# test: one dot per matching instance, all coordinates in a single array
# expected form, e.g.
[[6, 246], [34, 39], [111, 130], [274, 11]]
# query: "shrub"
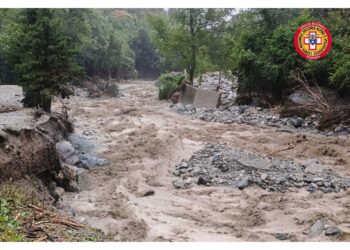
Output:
[[168, 83]]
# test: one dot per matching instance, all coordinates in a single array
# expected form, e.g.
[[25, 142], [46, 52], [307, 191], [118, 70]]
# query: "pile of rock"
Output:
[[220, 165], [226, 84], [256, 116], [77, 156], [229, 112]]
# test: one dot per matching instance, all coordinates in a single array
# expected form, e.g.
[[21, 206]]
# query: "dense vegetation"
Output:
[[256, 45], [46, 50]]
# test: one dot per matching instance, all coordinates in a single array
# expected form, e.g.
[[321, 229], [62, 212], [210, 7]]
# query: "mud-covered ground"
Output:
[[134, 199]]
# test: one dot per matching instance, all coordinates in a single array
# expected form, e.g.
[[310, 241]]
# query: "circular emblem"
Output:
[[312, 40]]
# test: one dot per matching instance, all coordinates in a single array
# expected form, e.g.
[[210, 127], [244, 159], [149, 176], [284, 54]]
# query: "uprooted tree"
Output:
[[319, 102]]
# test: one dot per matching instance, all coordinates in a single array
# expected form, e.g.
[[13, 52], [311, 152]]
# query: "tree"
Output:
[[107, 53], [42, 56], [181, 37], [146, 57]]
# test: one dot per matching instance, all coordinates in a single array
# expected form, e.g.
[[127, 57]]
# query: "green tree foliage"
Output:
[[183, 36], [43, 56], [264, 45], [107, 53], [167, 83], [146, 57]]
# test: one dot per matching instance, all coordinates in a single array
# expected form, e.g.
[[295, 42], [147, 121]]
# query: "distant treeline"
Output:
[[45, 49], [109, 43], [254, 44]]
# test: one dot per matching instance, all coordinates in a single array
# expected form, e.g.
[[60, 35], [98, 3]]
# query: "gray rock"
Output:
[[220, 165], [297, 122], [65, 150], [317, 228], [59, 191], [73, 160], [84, 144], [176, 173], [70, 172], [282, 236], [203, 180], [148, 193], [89, 161], [182, 165], [72, 186], [189, 106], [178, 184], [333, 231], [242, 184], [179, 107], [339, 129]]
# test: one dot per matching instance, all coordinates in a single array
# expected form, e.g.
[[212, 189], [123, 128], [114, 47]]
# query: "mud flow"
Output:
[[217, 194]]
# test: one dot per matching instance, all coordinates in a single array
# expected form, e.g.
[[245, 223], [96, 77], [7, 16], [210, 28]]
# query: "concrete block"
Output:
[[206, 99]]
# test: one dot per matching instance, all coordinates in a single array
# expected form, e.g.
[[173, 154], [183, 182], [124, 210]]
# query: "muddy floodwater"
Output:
[[134, 199]]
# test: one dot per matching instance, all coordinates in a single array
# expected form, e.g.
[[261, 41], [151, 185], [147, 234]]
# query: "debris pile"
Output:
[[220, 165], [226, 84], [258, 116]]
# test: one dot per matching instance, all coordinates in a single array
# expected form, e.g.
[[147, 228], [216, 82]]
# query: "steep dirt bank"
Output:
[[27, 137], [29, 170], [134, 199], [27, 145]]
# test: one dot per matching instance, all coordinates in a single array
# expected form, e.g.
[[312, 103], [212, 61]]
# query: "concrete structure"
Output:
[[187, 96], [200, 98], [206, 99]]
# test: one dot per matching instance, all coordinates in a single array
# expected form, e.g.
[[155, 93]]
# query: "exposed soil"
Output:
[[29, 164], [133, 199]]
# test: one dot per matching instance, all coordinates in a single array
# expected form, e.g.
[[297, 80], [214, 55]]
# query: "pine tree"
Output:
[[43, 56]]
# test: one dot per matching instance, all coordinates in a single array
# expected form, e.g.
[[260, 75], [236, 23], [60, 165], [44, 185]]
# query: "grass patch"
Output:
[[12, 213], [22, 219]]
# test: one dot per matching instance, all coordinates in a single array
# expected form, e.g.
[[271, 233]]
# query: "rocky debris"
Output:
[[149, 192], [11, 95], [282, 236], [79, 152], [65, 150], [89, 161], [220, 165], [59, 191], [178, 184], [317, 228], [257, 116], [333, 231], [72, 186], [84, 143], [243, 183], [229, 112], [320, 226], [227, 87]]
